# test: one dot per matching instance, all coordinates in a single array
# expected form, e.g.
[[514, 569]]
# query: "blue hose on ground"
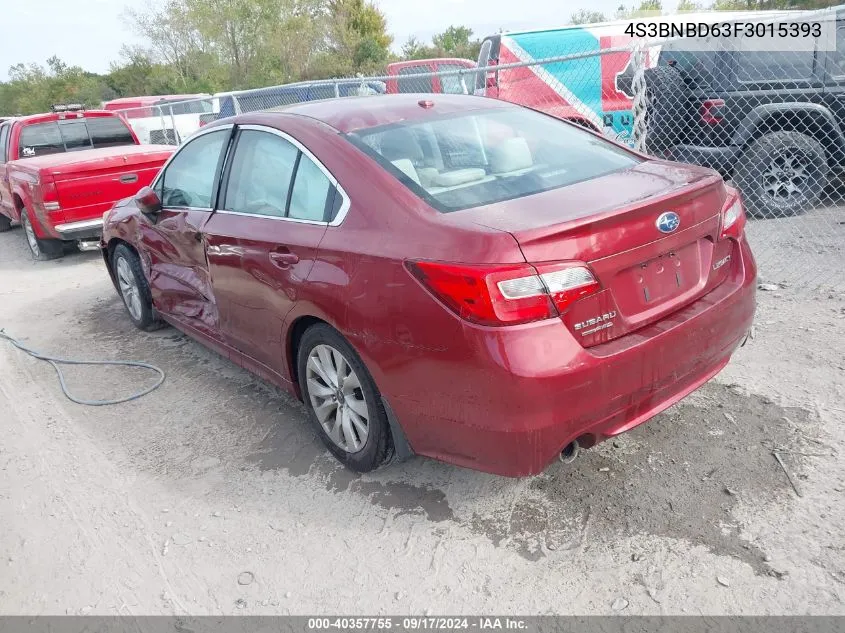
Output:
[[55, 362]]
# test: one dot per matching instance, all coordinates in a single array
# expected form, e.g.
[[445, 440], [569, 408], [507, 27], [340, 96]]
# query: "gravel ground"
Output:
[[214, 496]]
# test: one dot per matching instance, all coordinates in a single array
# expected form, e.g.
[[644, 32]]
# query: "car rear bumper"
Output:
[[721, 159], [533, 389], [83, 230]]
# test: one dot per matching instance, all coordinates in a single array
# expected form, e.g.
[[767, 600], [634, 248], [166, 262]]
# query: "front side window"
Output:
[[261, 173], [486, 156], [188, 180]]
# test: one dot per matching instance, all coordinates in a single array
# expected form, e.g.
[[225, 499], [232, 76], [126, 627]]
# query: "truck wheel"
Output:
[[5, 223], [782, 174], [134, 289], [42, 250]]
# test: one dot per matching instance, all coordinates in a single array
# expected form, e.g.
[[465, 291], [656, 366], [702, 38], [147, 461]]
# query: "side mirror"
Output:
[[148, 202]]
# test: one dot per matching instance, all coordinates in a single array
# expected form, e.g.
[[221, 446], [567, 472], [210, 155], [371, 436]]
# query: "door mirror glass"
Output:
[[148, 202]]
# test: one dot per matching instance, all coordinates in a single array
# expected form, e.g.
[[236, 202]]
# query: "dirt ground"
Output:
[[214, 496]]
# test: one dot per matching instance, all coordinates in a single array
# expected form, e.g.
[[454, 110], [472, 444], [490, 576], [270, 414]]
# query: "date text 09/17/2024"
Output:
[[422, 623]]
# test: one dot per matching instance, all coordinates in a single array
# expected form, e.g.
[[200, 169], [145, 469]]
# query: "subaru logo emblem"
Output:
[[668, 222]]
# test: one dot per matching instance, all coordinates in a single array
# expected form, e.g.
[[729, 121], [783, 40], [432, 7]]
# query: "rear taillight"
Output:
[[712, 111], [508, 294], [733, 216], [50, 195]]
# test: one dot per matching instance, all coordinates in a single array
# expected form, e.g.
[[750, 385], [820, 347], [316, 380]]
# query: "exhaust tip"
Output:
[[570, 452]]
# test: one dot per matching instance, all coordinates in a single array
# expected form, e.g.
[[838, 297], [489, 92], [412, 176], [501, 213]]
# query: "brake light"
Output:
[[733, 216], [49, 195], [508, 294], [711, 111]]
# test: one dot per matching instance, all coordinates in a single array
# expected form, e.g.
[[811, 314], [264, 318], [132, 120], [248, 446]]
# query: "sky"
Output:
[[90, 33]]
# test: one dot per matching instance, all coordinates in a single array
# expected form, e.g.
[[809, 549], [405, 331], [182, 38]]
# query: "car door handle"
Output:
[[283, 260]]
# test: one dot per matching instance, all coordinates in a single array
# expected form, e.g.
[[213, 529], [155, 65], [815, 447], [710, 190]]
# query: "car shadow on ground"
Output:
[[684, 475]]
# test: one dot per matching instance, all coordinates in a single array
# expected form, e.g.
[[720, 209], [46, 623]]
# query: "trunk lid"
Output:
[[611, 224]]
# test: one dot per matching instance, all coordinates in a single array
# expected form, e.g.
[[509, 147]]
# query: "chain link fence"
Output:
[[772, 121]]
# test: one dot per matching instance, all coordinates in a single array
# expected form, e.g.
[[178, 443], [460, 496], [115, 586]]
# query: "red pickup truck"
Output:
[[60, 171]]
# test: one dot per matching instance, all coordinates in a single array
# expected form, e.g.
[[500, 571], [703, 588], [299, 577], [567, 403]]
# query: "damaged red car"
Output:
[[448, 276]]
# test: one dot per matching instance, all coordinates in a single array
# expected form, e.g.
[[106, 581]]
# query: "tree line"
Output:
[[208, 46]]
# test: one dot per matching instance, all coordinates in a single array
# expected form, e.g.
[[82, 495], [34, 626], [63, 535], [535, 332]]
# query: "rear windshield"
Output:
[[56, 137], [487, 156]]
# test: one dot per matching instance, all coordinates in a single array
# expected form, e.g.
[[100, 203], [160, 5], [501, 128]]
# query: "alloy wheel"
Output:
[[129, 288], [31, 239], [337, 398], [786, 177]]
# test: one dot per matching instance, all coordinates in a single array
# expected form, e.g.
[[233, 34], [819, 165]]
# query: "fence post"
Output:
[[639, 59], [463, 79], [173, 123]]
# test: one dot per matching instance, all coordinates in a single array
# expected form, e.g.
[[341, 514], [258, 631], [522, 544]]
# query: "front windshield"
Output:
[[485, 156]]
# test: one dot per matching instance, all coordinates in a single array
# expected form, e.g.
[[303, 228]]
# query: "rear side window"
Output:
[[270, 176], [770, 67], [488, 156], [409, 84], [109, 132], [39, 139], [310, 192]]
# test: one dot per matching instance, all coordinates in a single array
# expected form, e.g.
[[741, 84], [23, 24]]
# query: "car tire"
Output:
[[5, 224], [356, 399], [40, 249], [782, 174], [133, 288]]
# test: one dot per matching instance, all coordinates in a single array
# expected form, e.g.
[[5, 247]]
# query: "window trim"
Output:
[[218, 170], [344, 207]]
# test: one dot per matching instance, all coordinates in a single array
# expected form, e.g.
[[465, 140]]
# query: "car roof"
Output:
[[153, 99], [350, 114]]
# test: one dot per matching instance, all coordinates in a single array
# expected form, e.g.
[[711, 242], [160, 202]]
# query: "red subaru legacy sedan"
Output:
[[450, 276]]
